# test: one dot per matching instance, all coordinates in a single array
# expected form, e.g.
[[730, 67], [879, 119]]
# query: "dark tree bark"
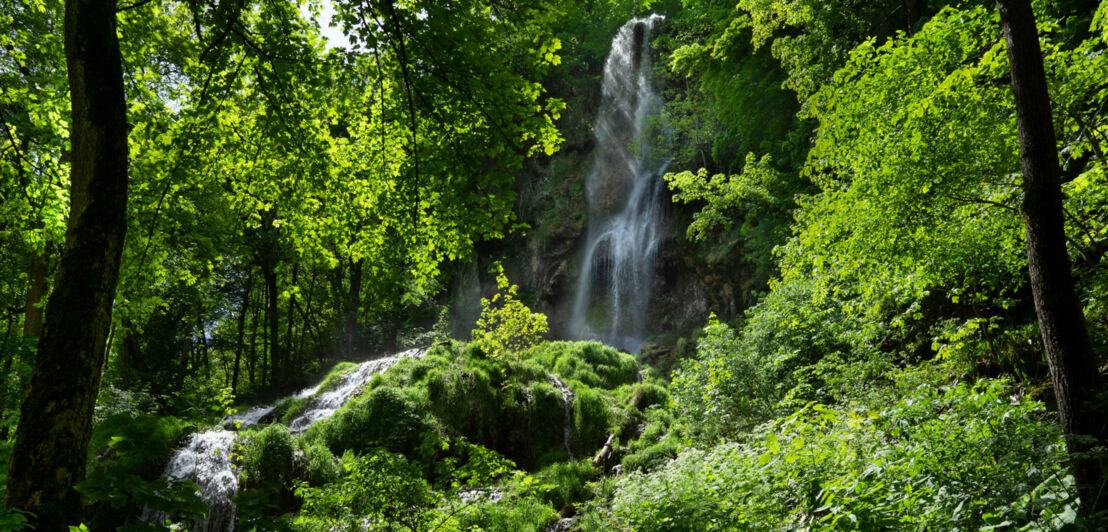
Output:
[[203, 359], [353, 301], [911, 14], [289, 322], [1073, 367], [253, 360], [36, 288], [132, 351], [56, 417], [269, 275], [241, 345]]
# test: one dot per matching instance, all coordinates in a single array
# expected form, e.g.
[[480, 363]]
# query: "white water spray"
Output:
[[625, 196], [206, 457], [567, 422], [323, 405]]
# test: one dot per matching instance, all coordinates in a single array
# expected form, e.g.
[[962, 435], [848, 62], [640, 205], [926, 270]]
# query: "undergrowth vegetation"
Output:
[[922, 455]]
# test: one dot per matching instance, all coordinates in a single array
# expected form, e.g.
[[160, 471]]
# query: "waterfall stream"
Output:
[[567, 422], [322, 405], [625, 196], [206, 456]]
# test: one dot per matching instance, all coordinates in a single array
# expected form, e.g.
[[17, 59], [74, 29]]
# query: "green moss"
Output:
[[592, 418], [510, 514], [652, 456], [318, 465], [288, 409], [267, 464], [565, 482], [547, 422], [591, 363], [384, 417], [653, 395], [336, 373], [571, 368], [613, 367], [466, 402]]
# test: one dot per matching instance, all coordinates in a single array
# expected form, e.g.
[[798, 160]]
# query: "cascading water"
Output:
[[206, 457], [625, 196], [567, 421], [206, 460], [322, 405]]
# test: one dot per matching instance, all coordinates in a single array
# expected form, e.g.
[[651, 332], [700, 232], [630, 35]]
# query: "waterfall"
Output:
[[567, 421], [625, 196], [206, 456], [322, 405], [206, 460]]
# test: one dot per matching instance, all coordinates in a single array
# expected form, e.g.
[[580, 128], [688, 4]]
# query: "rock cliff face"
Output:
[[689, 281]]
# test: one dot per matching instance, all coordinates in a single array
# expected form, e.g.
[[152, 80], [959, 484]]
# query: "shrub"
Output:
[[385, 417], [318, 466], [652, 456], [508, 514], [564, 482], [724, 388], [924, 457], [506, 326], [126, 456], [591, 420], [380, 488], [267, 464]]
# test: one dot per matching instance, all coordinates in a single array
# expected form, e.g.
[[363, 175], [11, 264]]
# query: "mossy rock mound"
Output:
[[510, 406]]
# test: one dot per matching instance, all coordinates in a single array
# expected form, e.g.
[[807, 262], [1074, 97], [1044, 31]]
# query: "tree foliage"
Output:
[[506, 326]]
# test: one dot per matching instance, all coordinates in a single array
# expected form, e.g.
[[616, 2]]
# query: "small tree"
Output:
[[507, 326]]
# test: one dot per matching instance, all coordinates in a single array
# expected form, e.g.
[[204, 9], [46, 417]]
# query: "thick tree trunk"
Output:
[[56, 418], [1073, 367], [36, 288]]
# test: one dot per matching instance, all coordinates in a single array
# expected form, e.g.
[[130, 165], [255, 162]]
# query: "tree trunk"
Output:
[[253, 360], [911, 14], [289, 324], [51, 442], [5, 373], [1073, 367], [36, 288], [353, 301], [269, 274], [241, 345], [204, 359], [132, 351]]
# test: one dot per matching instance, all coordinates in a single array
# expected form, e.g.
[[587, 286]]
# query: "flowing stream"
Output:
[[625, 195], [206, 456], [567, 422]]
